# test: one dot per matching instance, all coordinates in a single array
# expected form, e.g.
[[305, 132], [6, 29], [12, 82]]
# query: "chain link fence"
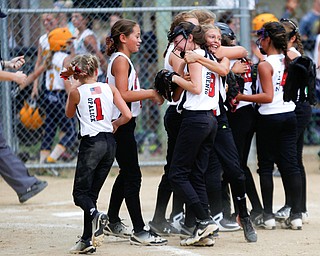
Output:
[[27, 21]]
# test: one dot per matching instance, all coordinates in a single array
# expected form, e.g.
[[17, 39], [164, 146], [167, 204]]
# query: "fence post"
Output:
[[6, 87], [245, 27]]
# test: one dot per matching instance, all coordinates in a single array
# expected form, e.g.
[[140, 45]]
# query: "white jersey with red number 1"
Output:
[[94, 110]]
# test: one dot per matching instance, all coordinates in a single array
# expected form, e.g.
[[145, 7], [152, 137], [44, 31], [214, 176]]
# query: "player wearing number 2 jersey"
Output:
[[93, 103], [55, 98]]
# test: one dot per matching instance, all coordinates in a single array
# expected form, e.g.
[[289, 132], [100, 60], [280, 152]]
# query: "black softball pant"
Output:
[[243, 126], [191, 155], [276, 143], [303, 113], [128, 182], [95, 159], [225, 155], [172, 123]]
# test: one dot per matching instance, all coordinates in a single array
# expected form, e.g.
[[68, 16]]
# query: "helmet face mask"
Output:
[[180, 30]]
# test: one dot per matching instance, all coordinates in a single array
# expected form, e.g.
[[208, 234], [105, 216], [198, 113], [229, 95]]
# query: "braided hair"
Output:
[[293, 30], [277, 33], [81, 67]]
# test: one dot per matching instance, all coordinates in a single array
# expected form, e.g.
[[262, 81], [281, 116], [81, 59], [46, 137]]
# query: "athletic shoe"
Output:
[[283, 213], [164, 228], [176, 220], [207, 241], [293, 222], [250, 233], [83, 247], [266, 221], [147, 237], [305, 217], [98, 224], [32, 191], [186, 231], [203, 229], [118, 229], [254, 216], [224, 224]]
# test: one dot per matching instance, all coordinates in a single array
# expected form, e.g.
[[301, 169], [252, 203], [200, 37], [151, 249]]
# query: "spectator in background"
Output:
[[64, 18], [49, 21], [290, 9], [87, 42], [308, 28], [102, 29]]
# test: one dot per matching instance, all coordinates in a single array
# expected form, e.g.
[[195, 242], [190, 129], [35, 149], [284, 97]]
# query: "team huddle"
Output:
[[217, 99]]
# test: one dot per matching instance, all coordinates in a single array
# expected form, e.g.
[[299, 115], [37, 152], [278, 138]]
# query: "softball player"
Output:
[[50, 22], [55, 97], [93, 103], [172, 121], [86, 41], [125, 40], [242, 123], [303, 113], [278, 146], [224, 150], [197, 131]]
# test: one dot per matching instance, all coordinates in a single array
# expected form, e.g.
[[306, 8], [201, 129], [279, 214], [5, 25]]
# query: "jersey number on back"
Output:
[[99, 115]]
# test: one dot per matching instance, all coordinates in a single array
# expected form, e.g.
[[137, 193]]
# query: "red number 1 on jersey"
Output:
[[99, 116]]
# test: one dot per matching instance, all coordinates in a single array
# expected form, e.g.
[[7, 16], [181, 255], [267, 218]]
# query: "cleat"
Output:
[[163, 228], [266, 221], [176, 220], [305, 217], [283, 213], [83, 247], [98, 224], [293, 222], [147, 237], [186, 231], [118, 229], [250, 233], [224, 224], [207, 241], [203, 229]]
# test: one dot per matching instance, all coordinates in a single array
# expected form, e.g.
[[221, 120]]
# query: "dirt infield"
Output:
[[49, 223]]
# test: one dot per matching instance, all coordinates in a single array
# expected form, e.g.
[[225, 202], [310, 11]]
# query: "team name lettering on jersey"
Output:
[[210, 80], [278, 82], [91, 110]]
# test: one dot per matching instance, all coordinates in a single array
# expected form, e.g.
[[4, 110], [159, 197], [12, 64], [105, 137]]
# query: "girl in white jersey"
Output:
[[224, 151], [124, 41], [172, 121], [93, 103], [197, 131], [86, 41], [54, 99], [303, 112], [276, 127], [50, 21]]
